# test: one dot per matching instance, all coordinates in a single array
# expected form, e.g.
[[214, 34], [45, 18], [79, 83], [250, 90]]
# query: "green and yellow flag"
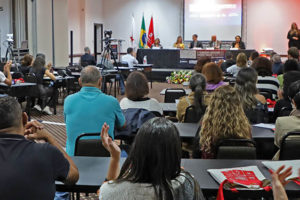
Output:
[[143, 35]]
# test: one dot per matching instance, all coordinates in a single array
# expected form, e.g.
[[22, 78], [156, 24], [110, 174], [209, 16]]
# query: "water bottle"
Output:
[[145, 60]]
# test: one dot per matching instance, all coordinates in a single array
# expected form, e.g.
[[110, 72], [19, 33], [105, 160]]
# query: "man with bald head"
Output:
[[87, 110]]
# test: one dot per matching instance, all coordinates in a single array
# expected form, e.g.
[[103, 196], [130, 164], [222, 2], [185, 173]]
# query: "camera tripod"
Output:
[[9, 55], [108, 51]]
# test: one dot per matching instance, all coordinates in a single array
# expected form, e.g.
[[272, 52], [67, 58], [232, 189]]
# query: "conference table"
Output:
[[183, 58], [93, 171]]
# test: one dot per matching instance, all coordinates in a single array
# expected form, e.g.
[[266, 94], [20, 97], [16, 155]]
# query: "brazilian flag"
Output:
[[143, 35]]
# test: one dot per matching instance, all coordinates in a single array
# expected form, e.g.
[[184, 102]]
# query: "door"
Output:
[[98, 44]]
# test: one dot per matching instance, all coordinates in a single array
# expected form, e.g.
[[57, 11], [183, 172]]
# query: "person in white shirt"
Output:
[[130, 58], [6, 69], [137, 90]]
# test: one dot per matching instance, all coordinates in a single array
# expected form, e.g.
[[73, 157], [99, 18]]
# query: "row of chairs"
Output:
[[226, 149]]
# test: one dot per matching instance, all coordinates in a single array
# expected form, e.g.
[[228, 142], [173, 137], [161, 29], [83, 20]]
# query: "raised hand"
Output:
[[107, 142]]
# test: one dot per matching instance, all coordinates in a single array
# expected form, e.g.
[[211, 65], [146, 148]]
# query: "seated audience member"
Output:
[[214, 43], [106, 63], [266, 82], [239, 44], [241, 62], [32, 160], [156, 44], [252, 57], [26, 63], [195, 98], [152, 169], [39, 70], [254, 104], [179, 43], [195, 43], [213, 75], [277, 67], [87, 58], [6, 71], [89, 107], [130, 58], [137, 90], [293, 54], [200, 63], [289, 65], [228, 62], [290, 123], [283, 106], [231, 123]]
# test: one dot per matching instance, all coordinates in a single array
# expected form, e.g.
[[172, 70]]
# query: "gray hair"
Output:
[[276, 58], [87, 50], [10, 112], [90, 75]]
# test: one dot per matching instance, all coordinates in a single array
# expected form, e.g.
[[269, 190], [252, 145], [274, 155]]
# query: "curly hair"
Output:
[[224, 119]]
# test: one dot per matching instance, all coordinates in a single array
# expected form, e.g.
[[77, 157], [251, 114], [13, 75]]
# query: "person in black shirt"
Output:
[[26, 63], [228, 62], [30, 158], [87, 58], [293, 36], [238, 43], [195, 43]]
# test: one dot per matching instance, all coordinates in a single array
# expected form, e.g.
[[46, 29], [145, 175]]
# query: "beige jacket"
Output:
[[285, 125]]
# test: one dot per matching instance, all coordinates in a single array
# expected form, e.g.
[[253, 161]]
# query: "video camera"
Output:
[[107, 36]]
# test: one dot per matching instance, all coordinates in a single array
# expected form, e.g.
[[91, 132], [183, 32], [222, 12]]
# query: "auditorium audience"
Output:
[[195, 98], [5, 76], [241, 62], [228, 62], [156, 44], [277, 67], [152, 169], [32, 160], [195, 43], [253, 55], [254, 104], [290, 123], [26, 63], [214, 43], [87, 58], [39, 70], [130, 58], [200, 63], [283, 106], [223, 119], [238, 43], [137, 91], [293, 36], [88, 108], [266, 82], [214, 76], [179, 43]]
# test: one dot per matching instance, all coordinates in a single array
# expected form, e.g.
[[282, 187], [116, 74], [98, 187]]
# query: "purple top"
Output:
[[211, 87]]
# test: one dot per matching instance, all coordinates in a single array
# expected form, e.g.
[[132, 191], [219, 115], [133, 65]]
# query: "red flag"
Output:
[[150, 40]]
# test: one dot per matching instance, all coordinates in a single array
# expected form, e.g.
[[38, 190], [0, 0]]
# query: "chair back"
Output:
[[31, 78], [191, 116], [266, 94], [289, 148], [17, 75], [236, 149], [90, 147], [172, 94]]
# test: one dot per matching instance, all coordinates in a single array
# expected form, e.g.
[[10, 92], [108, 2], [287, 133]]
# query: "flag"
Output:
[[150, 39], [132, 31], [143, 35]]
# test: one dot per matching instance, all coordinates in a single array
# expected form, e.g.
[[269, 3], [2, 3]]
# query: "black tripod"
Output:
[[9, 55]]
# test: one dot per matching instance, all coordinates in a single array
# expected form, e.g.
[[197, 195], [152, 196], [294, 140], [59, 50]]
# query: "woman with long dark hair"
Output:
[[293, 36], [153, 167], [195, 98], [38, 69]]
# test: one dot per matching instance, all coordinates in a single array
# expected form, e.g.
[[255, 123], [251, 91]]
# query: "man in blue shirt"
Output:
[[87, 110]]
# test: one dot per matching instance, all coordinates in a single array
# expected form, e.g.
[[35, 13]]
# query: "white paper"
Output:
[[268, 126], [274, 165]]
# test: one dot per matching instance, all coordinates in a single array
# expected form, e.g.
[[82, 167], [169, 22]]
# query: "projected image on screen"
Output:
[[212, 17]]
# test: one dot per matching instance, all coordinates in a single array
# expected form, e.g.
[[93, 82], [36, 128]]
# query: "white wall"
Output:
[[268, 21], [5, 23], [167, 18]]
